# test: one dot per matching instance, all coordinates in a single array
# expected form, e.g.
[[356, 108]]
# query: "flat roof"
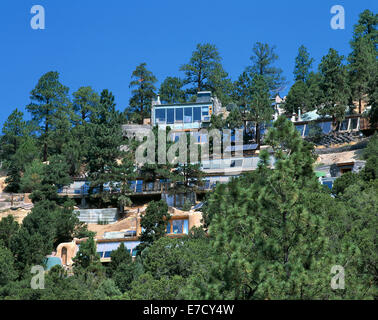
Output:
[[182, 104]]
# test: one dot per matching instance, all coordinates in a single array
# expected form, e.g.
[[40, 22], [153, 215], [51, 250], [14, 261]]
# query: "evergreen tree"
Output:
[[143, 84], [49, 100], [362, 69], [13, 179], [87, 261], [104, 149], [334, 86], [85, 103], [171, 90], [7, 271], [303, 64], [154, 222], [205, 72], [299, 96], [260, 108], [14, 130], [263, 59], [234, 119], [8, 228], [268, 245]]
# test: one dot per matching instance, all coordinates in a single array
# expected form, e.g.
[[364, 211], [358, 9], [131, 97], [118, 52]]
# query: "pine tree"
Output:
[[104, 149], [154, 222], [299, 96], [263, 59], [259, 108], [334, 87], [303, 64], [49, 102], [205, 72], [14, 131], [143, 93], [85, 103], [268, 244], [171, 90]]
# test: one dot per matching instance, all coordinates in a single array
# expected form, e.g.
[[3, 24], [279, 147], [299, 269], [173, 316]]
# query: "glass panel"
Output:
[[186, 226], [326, 127], [354, 124], [160, 115], [300, 128], [307, 129], [169, 227], [344, 125], [178, 226], [188, 115], [170, 115], [329, 184], [179, 115], [197, 114]]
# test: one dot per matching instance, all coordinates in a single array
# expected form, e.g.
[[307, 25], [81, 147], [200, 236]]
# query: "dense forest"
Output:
[[269, 234]]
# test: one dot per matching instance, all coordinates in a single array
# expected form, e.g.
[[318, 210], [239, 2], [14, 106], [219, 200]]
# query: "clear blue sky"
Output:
[[99, 43]]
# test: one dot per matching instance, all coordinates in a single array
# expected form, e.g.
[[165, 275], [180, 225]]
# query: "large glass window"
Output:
[[344, 125], [160, 115], [300, 128], [170, 115], [188, 115], [205, 111], [169, 227], [354, 123], [197, 113], [179, 114], [178, 226], [326, 127]]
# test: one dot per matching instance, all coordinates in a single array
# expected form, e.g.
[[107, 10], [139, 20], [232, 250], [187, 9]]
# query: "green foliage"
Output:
[[303, 64], [297, 98], [182, 257], [334, 86], [7, 271], [263, 59], [85, 103], [234, 119], [48, 107], [32, 177], [87, 261], [314, 132], [263, 229], [8, 228], [104, 149], [143, 84], [343, 182], [118, 257], [148, 288], [205, 72], [171, 90], [187, 205], [370, 154], [14, 131], [154, 222]]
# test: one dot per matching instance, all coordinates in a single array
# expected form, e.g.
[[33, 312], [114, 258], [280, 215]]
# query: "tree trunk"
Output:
[[258, 135], [359, 105]]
